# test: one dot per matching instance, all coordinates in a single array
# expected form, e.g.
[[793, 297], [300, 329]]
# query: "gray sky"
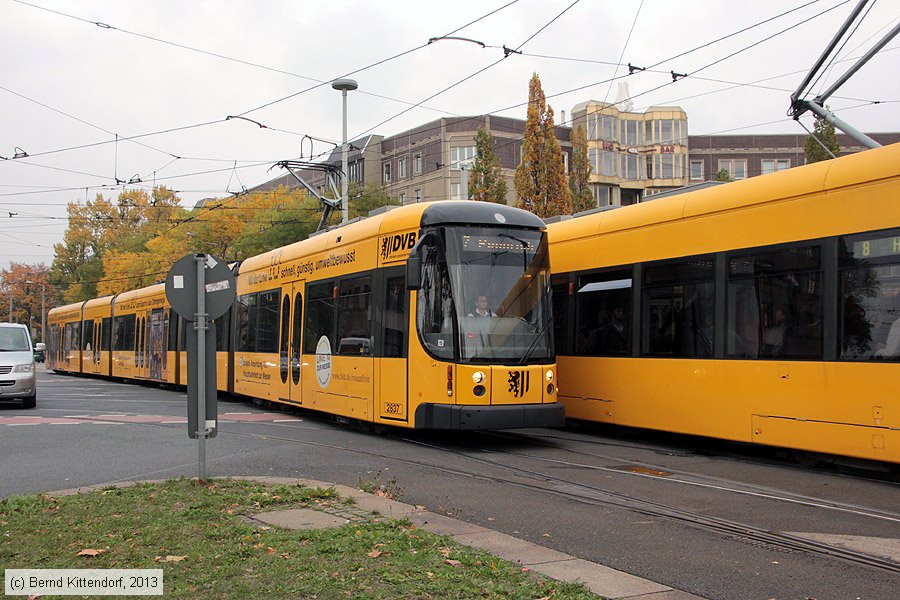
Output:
[[68, 86]]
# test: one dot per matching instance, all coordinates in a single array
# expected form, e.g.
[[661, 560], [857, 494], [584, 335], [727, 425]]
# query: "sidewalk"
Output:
[[601, 580]]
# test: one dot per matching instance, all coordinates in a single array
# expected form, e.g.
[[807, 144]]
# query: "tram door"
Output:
[[393, 400], [289, 342]]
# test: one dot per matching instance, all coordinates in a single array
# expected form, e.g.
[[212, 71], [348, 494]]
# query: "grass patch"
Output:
[[196, 534]]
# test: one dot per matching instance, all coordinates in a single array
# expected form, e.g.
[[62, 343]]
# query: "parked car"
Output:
[[40, 352], [17, 379]]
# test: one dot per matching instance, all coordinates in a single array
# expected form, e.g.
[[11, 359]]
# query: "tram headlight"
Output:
[[549, 375], [478, 377]]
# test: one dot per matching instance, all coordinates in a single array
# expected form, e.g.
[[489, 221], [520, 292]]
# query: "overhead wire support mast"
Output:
[[328, 204], [817, 104]]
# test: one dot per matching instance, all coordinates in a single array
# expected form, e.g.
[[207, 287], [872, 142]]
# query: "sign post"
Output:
[[201, 288]]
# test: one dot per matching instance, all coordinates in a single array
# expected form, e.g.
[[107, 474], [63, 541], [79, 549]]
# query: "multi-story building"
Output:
[[745, 156], [427, 162], [633, 155]]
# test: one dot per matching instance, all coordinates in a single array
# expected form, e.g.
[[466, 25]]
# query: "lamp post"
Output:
[[344, 85], [43, 308]]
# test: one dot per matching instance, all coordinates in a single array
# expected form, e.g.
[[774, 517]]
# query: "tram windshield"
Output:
[[485, 298]]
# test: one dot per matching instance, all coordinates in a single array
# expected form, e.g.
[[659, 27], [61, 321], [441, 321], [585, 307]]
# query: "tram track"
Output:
[[593, 495]]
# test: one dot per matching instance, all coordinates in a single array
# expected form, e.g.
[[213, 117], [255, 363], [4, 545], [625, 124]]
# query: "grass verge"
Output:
[[198, 535]]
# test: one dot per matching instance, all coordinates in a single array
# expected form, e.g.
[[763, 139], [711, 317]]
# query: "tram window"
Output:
[[434, 316], [87, 337], [319, 316], [173, 330], [774, 304], [678, 309], [295, 339], [354, 318], [71, 337], [267, 321], [106, 338], [123, 337], [247, 323], [603, 314], [222, 326], [870, 296], [560, 320], [285, 329], [395, 317]]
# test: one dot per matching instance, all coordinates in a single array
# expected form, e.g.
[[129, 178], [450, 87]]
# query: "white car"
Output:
[[17, 378]]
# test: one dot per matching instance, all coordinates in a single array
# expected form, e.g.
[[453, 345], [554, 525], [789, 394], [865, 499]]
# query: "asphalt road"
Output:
[[707, 519]]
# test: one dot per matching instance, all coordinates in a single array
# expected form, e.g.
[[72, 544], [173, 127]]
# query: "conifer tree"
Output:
[[540, 179], [579, 179], [486, 180], [824, 131]]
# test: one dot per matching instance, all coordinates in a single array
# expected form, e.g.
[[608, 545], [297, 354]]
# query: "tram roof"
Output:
[[401, 218], [150, 290], [862, 167], [58, 310]]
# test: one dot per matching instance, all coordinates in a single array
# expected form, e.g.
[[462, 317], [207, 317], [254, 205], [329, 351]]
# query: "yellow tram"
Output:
[[764, 311], [64, 351], [434, 315]]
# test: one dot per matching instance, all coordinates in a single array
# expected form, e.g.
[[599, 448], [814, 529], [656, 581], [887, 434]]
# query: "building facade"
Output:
[[633, 154], [428, 162], [744, 156]]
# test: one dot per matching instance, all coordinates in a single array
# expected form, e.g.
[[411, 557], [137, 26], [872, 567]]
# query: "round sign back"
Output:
[[181, 286]]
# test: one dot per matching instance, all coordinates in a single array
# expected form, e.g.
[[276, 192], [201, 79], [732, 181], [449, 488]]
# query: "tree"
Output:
[[723, 175], [579, 179], [540, 179], [486, 180], [824, 131], [24, 285]]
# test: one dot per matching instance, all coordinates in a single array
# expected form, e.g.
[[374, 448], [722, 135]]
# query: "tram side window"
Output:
[[774, 304], [247, 322], [434, 314], [560, 295], [267, 321], [354, 317], [870, 296], [678, 309], [123, 337], [174, 319], [106, 336], [319, 316], [87, 338], [395, 317], [603, 314], [71, 337], [222, 325]]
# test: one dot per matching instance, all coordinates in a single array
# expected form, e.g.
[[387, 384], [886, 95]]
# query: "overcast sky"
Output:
[[68, 86]]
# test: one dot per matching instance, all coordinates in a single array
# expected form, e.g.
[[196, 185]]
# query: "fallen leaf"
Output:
[[374, 554], [445, 552], [270, 550], [90, 552], [525, 569], [170, 558], [452, 563]]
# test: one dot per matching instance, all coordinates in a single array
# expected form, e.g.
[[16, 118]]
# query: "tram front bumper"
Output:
[[504, 416]]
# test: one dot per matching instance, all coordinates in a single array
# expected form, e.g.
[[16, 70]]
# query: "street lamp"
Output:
[[344, 85], [43, 308]]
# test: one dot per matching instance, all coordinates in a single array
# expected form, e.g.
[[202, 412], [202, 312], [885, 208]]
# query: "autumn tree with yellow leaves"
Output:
[[540, 179]]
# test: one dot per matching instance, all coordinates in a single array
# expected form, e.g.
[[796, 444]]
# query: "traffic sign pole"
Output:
[[201, 327]]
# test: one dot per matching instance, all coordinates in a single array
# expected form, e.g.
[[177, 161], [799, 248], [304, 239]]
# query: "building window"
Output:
[[607, 164], [696, 170], [608, 126], [631, 132], [418, 195], [736, 167], [648, 132], [417, 164], [387, 172], [592, 126], [356, 171], [455, 192], [592, 160], [402, 199], [774, 165], [630, 166], [461, 155], [401, 168], [565, 162], [601, 195], [664, 167]]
